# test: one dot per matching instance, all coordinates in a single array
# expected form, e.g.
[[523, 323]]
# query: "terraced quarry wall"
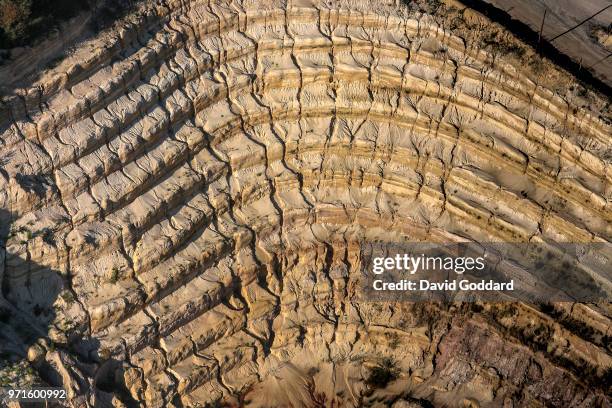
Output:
[[184, 201]]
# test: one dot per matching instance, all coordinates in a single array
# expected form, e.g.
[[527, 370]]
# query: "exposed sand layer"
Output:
[[186, 208]]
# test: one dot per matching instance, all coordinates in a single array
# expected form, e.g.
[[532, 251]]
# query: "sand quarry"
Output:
[[183, 199]]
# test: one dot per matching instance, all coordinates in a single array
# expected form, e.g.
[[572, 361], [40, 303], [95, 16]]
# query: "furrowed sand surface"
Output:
[[183, 209]]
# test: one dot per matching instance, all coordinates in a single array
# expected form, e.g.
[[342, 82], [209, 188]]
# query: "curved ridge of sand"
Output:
[[195, 194]]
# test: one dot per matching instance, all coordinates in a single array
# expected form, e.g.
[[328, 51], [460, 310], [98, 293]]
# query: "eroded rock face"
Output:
[[186, 208]]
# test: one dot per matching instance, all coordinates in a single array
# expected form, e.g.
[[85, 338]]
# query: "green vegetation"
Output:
[[14, 19], [382, 374], [426, 6], [25, 235], [68, 297], [114, 277], [13, 374], [394, 340], [501, 43], [24, 21], [578, 327]]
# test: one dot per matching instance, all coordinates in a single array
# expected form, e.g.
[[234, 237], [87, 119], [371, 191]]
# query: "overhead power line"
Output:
[[580, 23], [601, 60]]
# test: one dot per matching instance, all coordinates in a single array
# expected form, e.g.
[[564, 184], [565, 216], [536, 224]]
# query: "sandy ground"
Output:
[[184, 200]]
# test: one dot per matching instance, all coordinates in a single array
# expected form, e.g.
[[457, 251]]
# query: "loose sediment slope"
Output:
[[187, 204]]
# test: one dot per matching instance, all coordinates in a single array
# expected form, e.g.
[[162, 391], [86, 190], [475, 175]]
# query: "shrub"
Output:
[[14, 16], [23, 21], [114, 276], [382, 374]]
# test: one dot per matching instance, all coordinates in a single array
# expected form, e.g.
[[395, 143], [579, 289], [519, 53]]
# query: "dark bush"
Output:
[[24, 21], [382, 374], [14, 18]]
